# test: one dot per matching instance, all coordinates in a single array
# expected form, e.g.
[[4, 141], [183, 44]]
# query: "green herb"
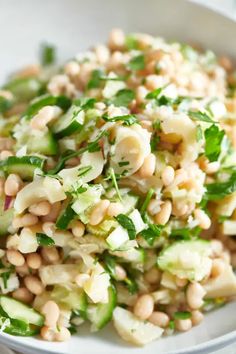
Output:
[[83, 170], [44, 240], [213, 137], [154, 142], [182, 315], [131, 285], [127, 224], [137, 63], [151, 233], [156, 125], [185, 233], [123, 98], [199, 133], [72, 329], [123, 163], [5, 276], [95, 80], [5, 104], [154, 94], [128, 119], [85, 103], [111, 175], [147, 200], [172, 325], [222, 218], [91, 147], [47, 54], [189, 52], [201, 116], [219, 190], [131, 42]]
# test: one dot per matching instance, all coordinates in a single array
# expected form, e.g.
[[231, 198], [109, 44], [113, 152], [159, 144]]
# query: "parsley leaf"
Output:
[[127, 119], [185, 233], [123, 97], [219, 190], [5, 104], [127, 224], [83, 170], [47, 54], [137, 63], [199, 133], [44, 240], [154, 94], [201, 116], [213, 138], [131, 42], [131, 285], [95, 79], [182, 315], [5, 276], [151, 233]]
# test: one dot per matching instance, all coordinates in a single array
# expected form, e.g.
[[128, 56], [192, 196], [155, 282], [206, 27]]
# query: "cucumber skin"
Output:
[[65, 218], [20, 328], [74, 127], [24, 307], [104, 311], [46, 145], [47, 100], [24, 166]]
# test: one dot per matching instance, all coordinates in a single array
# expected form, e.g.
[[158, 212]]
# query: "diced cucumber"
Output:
[[24, 89], [73, 299], [129, 202], [117, 238], [7, 125], [19, 311], [102, 229], [46, 144], [187, 259], [6, 217], [70, 123], [65, 217], [46, 100], [101, 314], [23, 166]]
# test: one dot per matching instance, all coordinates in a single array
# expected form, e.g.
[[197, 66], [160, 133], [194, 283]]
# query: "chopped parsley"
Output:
[[127, 224], [123, 98], [131, 42], [199, 133], [123, 163], [154, 94], [137, 63], [151, 233], [5, 104], [185, 233], [213, 139], [182, 315], [47, 54], [219, 190], [5, 276], [44, 240], [95, 80], [127, 119], [201, 116]]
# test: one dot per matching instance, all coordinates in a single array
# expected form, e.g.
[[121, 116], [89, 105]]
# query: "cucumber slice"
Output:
[[6, 217], [46, 144], [67, 214], [74, 299], [23, 166], [19, 311], [46, 100], [102, 229], [187, 259], [69, 123], [24, 89], [101, 314], [129, 202], [19, 328]]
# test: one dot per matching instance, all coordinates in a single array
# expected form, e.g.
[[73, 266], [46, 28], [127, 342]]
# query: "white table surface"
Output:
[[227, 7]]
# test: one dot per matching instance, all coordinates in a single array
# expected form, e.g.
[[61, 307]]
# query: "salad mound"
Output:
[[118, 190]]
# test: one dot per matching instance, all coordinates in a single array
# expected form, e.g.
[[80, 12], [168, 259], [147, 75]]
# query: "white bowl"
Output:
[[74, 25]]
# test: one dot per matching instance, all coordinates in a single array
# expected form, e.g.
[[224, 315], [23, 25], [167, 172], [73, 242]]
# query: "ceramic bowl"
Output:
[[74, 25]]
